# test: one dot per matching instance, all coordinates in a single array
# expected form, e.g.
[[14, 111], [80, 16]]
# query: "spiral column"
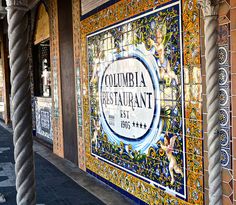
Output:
[[21, 101], [210, 12]]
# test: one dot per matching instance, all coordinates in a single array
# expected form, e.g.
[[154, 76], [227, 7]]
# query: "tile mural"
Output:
[[141, 94], [136, 100]]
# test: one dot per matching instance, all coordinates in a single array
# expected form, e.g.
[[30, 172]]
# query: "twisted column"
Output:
[[21, 101], [210, 11]]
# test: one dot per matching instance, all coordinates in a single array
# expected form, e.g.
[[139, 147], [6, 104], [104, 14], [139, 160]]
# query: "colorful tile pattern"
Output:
[[137, 187], [158, 154], [56, 96], [43, 116], [224, 86], [79, 92]]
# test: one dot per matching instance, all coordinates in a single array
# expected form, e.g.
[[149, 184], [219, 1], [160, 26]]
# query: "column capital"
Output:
[[20, 4], [209, 7]]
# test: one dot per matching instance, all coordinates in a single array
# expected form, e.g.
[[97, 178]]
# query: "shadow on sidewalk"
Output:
[[52, 186]]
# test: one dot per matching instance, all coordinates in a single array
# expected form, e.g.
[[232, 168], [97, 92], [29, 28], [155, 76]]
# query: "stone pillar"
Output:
[[21, 101], [210, 10]]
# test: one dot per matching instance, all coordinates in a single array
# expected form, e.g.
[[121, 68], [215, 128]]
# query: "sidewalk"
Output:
[[53, 187]]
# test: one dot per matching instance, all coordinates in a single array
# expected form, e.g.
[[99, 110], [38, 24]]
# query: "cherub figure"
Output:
[[95, 134], [96, 67], [94, 77], [168, 147], [158, 48]]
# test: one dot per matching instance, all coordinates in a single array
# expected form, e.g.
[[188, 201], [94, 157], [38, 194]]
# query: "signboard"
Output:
[[136, 97], [90, 7]]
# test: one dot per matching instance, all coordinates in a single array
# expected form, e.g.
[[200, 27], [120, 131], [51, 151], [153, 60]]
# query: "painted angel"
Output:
[[97, 60], [95, 133], [94, 77], [158, 49], [168, 147]]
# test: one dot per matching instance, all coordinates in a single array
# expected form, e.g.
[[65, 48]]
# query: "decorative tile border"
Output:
[[224, 93], [193, 102], [79, 91], [56, 91]]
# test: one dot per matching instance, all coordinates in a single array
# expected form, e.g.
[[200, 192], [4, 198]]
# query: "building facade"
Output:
[[119, 89]]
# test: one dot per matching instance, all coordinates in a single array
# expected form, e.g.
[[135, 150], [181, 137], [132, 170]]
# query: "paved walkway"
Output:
[[52, 186]]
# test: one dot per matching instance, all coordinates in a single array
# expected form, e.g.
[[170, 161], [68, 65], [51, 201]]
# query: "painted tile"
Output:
[[129, 82], [224, 93], [169, 38]]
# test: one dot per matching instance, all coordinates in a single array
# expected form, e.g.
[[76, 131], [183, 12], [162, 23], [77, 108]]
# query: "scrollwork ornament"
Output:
[[209, 7]]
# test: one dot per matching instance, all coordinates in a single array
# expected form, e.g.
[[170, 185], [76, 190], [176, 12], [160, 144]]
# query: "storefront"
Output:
[[119, 89], [129, 77]]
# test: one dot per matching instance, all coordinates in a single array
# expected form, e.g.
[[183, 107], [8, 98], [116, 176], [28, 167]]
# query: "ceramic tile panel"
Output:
[[43, 117], [224, 95], [135, 72], [140, 82], [233, 101], [77, 47], [56, 96]]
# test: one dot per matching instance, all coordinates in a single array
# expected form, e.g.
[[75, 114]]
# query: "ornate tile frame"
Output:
[[167, 8], [193, 103]]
